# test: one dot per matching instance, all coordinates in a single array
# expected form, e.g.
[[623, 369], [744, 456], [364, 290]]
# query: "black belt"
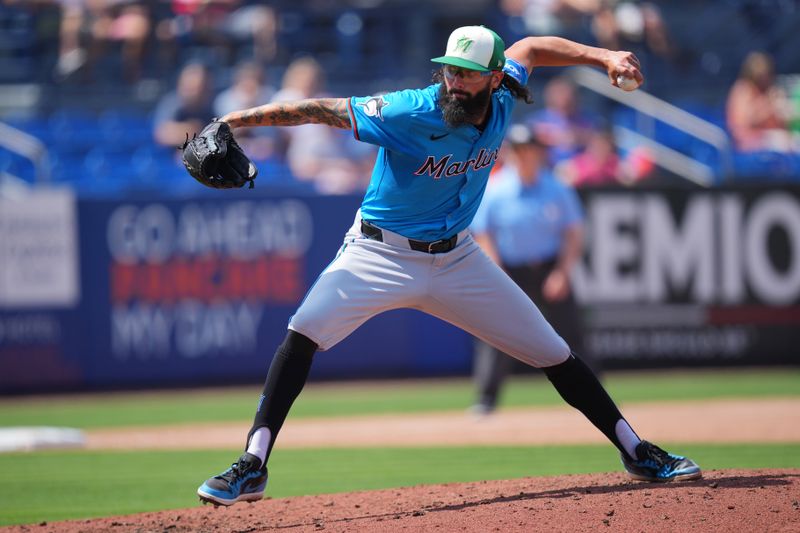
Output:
[[432, 247]]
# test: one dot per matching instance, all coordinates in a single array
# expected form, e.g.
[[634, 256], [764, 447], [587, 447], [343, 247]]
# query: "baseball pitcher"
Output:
[[409, 246]]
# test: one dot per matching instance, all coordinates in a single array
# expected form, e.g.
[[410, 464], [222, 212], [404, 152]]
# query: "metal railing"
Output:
[[29, 147], [657, 109]]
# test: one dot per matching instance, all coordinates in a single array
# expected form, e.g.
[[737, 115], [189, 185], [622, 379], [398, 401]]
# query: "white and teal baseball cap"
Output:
[[475, 48]]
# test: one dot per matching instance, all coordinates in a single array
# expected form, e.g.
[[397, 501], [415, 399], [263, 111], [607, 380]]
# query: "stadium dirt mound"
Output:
[[725, 500]]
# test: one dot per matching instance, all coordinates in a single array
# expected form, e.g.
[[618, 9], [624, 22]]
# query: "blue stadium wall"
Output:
[[102, 294]]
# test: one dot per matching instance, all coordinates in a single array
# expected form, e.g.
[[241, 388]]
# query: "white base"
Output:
[[36, 438]]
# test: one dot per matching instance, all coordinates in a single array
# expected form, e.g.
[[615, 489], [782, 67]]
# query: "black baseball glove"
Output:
[[216, 160]]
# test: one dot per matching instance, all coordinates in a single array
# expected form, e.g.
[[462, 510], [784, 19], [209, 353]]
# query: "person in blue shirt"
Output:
[[531, 224], [410, 244]]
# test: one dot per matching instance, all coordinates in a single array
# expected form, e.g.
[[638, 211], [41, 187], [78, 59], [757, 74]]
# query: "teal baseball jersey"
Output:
[[428, 179]]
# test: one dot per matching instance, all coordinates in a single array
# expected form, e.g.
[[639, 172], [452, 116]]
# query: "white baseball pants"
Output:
[[463, 287]]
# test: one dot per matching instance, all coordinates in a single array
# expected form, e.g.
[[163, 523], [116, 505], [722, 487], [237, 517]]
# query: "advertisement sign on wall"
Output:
[[38, 251], [196, 279], [692, 277], [39, 288], [200, 291]]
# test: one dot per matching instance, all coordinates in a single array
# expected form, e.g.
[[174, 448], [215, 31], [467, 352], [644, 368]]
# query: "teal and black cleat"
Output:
[[244, 481], [654, 464]]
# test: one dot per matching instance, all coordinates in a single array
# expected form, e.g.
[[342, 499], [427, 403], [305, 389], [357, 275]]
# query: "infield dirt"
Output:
[[733, 500]]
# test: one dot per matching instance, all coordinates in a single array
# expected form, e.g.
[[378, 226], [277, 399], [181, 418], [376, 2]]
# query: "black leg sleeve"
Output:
[[579, 387], [286, 377]]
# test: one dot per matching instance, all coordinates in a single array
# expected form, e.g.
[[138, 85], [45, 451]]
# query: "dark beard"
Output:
[[456, 112]]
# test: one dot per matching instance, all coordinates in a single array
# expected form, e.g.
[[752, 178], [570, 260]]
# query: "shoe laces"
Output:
[[655, 454], [237, 470]]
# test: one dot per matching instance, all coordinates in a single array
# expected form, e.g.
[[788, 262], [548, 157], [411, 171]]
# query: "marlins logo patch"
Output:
[[373, 107], [464, 44]]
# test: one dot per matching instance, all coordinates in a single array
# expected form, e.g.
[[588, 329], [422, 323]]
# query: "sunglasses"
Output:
[[468, 75]]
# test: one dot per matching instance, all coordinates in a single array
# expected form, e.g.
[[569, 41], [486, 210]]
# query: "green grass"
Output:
[[230, 404], [62, 485]]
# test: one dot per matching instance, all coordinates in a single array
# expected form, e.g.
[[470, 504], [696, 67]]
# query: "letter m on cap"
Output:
[[463, 44]]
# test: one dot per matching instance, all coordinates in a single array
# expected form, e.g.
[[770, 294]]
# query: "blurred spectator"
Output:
[[329, 157], [89, 26], [71, 54], [303, 78], [226, 24], [629, 25], [758, 110], [185, 110], [600, 164], [547, 17], [561, 125], [249, 89], [795, 121], [605, 28], [531, 224]]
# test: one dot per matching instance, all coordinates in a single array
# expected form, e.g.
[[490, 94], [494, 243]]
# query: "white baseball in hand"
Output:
[[627, 84]]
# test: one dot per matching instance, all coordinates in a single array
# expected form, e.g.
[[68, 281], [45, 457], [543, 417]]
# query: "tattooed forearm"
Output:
[[330, 111]]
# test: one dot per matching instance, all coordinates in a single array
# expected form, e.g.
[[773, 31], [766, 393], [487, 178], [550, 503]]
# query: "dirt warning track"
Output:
[[712, 421]]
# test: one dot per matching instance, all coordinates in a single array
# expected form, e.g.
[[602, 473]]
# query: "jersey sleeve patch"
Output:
[[373, 107], [382, 120]]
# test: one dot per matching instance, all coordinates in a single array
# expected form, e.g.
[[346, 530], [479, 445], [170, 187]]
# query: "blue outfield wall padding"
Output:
[[199, 290]]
